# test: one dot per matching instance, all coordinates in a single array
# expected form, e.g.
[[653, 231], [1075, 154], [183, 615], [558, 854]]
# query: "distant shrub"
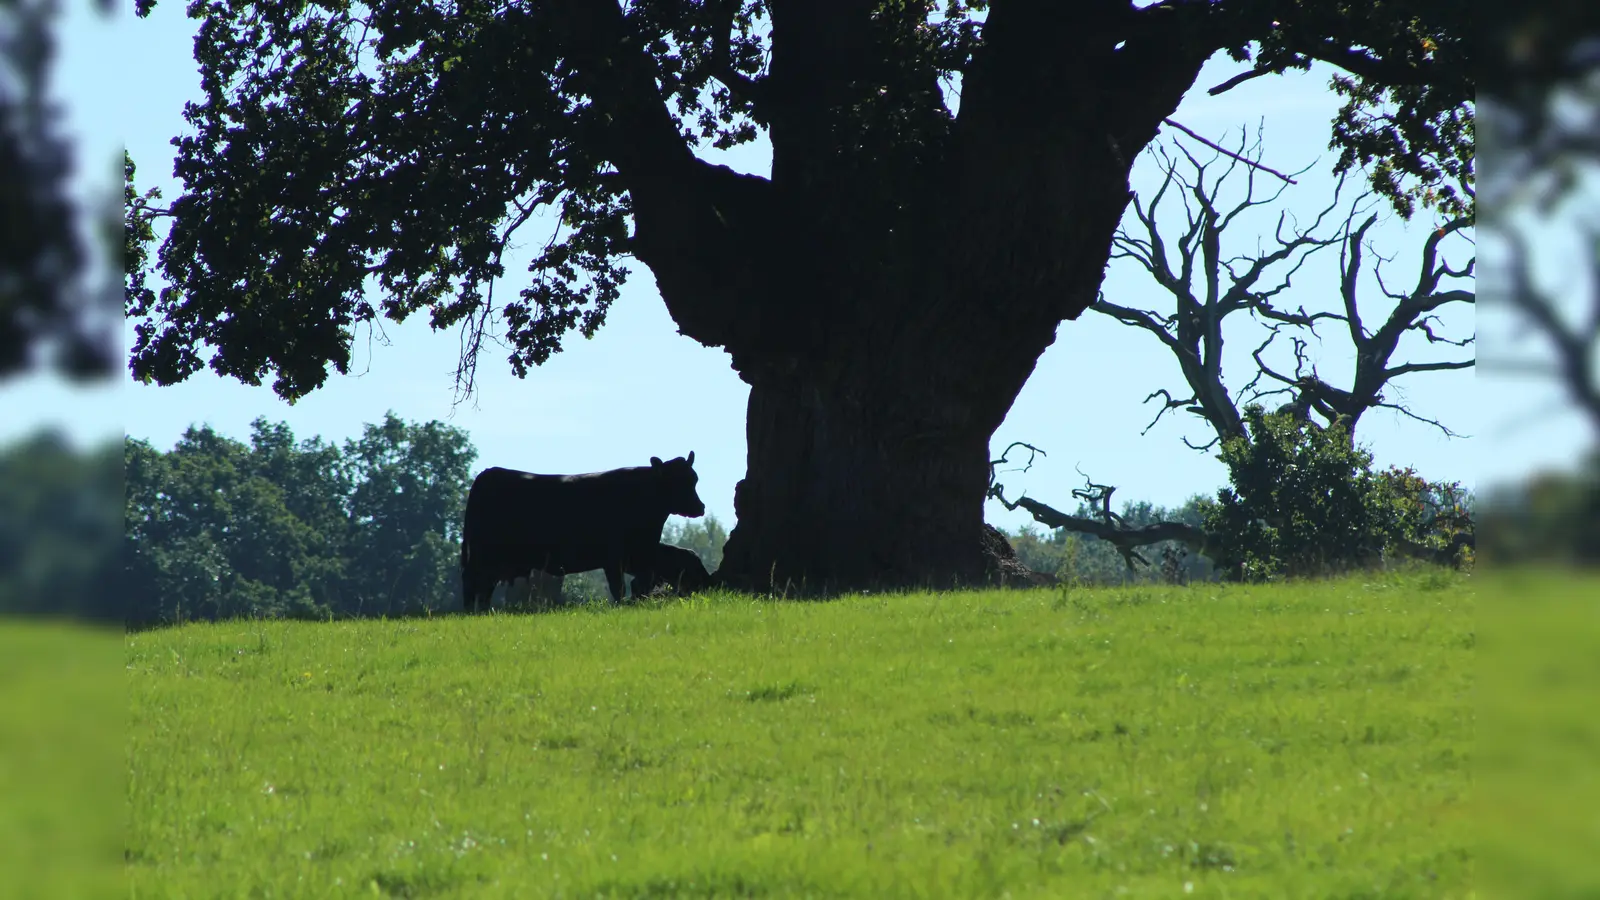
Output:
[[1304, 501], [1553, 517]]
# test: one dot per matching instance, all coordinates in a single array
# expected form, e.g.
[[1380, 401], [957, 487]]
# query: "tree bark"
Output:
[[842, 493]]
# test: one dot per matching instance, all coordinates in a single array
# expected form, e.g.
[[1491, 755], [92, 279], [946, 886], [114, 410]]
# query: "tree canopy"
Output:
[[401, 145]]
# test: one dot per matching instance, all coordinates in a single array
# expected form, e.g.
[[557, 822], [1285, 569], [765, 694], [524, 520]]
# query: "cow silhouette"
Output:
[[517, 522]]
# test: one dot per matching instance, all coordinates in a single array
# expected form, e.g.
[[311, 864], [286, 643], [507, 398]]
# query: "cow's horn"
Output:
[[691, 457]]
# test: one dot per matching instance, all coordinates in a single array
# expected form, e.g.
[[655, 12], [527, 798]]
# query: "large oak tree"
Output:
[[944, 188]]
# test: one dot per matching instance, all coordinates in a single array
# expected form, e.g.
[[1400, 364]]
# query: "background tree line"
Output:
[[218, 528]]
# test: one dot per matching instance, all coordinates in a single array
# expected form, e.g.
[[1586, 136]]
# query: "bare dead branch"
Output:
[[1407, 368], [1424, 420], [1425, 325], [1097, 495], [1202, 447], [995, 488], [1141, 319], [1125, 540], [1262, 367], [1300, 317], [1226, 152], [1206, 287], [1171, 404], [476, 328], [1033, 453]]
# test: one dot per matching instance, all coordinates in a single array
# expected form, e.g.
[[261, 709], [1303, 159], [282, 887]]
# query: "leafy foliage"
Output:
[[406, 145], [1414, 136], [278, 528], [401, 145], [139, 213], [59, 529], [1553, 517], [1304, 501], [406, 511], [213, 536]]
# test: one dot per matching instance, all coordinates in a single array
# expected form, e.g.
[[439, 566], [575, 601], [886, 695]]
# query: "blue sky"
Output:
[[639, 389]]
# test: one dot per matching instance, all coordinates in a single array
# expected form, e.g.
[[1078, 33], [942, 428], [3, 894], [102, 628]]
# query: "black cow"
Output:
[[518, 521], [677, 567]]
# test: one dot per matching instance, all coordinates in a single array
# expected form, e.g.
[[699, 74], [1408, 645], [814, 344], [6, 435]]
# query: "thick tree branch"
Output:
[[1125, 540], [616, 70], [1407, 368], [721, 62], [1241, 78], [1140, 318], [1364, 65], [696, 225], [1411, 313]]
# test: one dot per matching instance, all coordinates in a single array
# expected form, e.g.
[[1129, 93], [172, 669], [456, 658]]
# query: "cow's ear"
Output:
[[655, 461], [691, 457]]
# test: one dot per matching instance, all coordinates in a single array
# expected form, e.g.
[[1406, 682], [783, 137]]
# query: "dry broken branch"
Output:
[[1206, 287], [1108, 527], [1220, 149]]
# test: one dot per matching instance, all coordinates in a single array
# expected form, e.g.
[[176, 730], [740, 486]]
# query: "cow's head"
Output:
[[677, 480]]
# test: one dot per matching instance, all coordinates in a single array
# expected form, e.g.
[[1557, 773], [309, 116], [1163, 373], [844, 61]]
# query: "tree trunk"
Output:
[[841, 494]]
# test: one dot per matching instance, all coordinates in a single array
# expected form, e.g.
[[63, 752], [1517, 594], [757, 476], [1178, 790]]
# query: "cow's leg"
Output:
[[545, 589], [477, 591], [519, 591], [644, 583], [470, 580], [615, 582]]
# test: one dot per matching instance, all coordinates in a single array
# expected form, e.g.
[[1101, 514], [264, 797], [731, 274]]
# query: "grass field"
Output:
[[1307, 740], [62, 763]]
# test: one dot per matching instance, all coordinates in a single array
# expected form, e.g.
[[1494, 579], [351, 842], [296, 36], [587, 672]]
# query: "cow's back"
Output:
[[573, 521]]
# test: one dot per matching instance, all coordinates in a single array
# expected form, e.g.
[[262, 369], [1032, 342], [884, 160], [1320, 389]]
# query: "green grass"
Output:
[[62, 717], [1307, 740], [1537, 763]]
